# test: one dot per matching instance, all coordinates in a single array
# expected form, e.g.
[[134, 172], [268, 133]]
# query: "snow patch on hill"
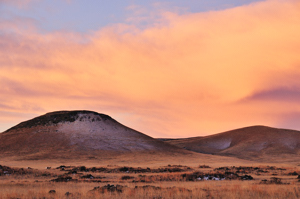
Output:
[[220, 144], [96, 133]]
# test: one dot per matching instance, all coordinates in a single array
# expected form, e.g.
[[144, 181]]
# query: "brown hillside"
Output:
[[255, 143], [74, 134]]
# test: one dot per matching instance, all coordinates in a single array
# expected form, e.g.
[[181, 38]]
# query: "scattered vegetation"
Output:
[[167, 169], [172, 181]]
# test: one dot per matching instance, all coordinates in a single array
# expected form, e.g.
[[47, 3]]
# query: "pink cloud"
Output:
[[183, 77], [19, 3]]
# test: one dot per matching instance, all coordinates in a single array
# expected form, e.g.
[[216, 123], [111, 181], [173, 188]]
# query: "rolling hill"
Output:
[[90, 135], [252, 143], [74, 134]]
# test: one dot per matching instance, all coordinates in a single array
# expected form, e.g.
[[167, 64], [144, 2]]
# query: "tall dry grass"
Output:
[[203, 189]]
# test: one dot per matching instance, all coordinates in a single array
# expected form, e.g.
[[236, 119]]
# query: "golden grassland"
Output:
[[155, 183], [227, 189]]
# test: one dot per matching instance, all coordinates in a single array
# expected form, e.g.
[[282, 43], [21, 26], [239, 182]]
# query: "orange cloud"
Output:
[[193, 74]]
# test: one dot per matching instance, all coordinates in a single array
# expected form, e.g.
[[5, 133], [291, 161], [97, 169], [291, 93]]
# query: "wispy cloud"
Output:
[[184, 77], [18, 3], [278, 94]]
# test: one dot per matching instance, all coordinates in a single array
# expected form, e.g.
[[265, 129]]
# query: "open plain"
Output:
[[152, 180]]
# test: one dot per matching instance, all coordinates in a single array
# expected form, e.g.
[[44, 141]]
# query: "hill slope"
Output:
[[70, 134], [256, 142]]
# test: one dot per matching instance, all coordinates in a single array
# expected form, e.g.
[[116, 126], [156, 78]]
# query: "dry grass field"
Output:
[[165, 181]]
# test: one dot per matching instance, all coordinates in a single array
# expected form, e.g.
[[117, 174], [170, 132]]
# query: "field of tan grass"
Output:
[[164, 181], [226, 189]]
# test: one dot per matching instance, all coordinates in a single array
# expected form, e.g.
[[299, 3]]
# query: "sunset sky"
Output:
[[165, 68]]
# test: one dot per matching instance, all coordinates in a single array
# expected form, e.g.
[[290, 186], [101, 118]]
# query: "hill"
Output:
[[74, 134], [252, 143]]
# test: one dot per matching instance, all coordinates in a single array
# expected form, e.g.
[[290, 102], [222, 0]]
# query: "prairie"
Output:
[[154, 181]]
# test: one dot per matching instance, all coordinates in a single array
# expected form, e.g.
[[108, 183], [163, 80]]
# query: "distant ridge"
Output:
[[81, 133], [254, 143]]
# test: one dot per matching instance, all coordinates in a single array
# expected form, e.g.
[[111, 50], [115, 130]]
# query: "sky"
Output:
[[165, 68]]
